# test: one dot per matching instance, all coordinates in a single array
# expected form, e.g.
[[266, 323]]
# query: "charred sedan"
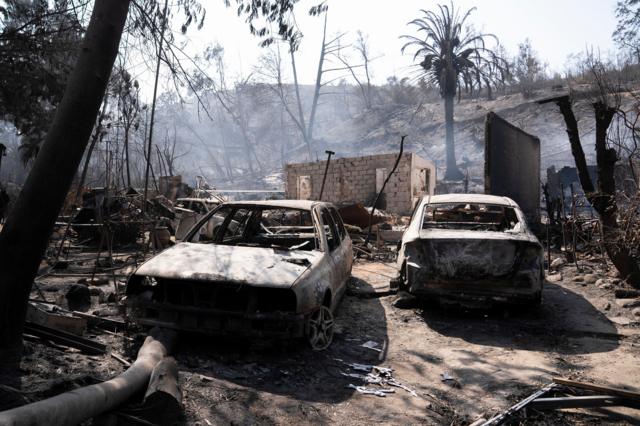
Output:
[[271, 269], [470, 249]]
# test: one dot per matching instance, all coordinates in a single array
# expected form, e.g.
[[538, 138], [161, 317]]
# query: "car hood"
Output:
[[257, 266]]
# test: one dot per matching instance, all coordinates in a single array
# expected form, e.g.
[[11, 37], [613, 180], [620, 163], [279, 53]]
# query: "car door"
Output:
[[346, 250], [334, 255]]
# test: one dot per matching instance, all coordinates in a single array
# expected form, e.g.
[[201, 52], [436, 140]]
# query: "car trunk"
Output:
[[454, 256]]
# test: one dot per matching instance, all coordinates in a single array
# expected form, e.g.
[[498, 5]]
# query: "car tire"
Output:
[[320, 328]]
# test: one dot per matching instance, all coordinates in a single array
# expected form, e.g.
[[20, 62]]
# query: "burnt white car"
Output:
[[271, 269], [471, 249]]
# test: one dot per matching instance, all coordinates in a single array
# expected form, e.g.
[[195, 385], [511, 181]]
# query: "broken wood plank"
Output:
[[590, 401], [70, 324], [622, 293], [95, 320], [506, 415], [122, 336], [120, 359], [82, 404], [596, 388], [88, 346]]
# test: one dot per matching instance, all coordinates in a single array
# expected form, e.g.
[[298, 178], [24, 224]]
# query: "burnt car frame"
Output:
[[470, 249], [272, 269]]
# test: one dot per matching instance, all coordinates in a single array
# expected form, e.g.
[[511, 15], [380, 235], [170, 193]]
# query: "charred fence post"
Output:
[[384, 184]]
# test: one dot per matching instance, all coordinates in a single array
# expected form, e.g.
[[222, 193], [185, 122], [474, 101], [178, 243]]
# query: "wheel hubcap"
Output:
[[320, 328]]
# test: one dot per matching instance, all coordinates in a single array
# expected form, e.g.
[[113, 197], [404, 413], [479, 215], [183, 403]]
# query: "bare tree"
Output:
[[272, 69], [229, 99], [603, 198], [361, 47], [168, 154]]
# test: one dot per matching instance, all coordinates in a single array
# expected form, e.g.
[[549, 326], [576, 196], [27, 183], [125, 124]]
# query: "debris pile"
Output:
[[385, 231], [380, 377]]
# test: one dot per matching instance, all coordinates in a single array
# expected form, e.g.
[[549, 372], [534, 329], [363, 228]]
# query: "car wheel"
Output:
[[320, 327]]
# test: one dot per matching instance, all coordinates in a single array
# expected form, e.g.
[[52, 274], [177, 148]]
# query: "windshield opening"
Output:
[[470, 216], [259, 226]]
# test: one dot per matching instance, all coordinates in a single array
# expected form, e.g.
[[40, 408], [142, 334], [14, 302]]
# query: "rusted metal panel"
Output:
[[512, 165], [357, 215]]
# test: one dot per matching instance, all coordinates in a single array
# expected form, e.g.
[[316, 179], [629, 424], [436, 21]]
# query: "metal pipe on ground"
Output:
[[79, 405]]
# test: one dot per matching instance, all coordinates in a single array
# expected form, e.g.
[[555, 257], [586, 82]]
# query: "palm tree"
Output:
[[454, 58]]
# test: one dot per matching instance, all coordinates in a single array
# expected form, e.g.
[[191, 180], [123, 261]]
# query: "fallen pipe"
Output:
[[162, 403], [79, 405]]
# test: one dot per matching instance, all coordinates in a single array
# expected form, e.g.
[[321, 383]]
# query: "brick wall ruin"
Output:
[[358, 179]]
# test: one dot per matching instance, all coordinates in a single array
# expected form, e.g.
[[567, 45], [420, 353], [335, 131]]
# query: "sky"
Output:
[[556, 28]]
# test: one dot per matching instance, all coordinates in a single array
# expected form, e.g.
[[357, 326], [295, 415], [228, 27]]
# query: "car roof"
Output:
[[289, 204], [470, 198]]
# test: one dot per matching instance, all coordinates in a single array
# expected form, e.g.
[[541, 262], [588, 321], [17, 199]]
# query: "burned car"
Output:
[[271, 269], [471, 249]]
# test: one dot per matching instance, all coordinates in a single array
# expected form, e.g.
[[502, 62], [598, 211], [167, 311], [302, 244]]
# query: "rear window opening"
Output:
[[470, 216]]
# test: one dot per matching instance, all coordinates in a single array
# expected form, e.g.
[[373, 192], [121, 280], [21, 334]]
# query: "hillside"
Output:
[[379, 132], [351, 131]]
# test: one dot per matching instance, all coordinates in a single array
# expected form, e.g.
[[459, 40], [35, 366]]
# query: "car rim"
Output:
[[320, 329]]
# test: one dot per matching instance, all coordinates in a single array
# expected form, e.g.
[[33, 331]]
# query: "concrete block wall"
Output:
[[354, 180]]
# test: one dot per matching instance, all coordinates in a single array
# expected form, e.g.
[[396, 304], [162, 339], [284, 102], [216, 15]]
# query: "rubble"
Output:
[[78, 297], [364, 336]]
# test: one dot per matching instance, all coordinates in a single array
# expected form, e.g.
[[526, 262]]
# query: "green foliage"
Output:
[[38, 46], [146, 17], [400, 92], [126, 90], [527, 69], [37, 41], [260, 14], [627, 32], [452, 55]]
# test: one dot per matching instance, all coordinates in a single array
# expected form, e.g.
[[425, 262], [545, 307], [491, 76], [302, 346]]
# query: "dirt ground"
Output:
[[495, 357]]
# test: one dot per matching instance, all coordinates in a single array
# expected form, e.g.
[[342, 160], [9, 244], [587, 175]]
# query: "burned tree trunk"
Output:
[[24, 238], [94, 140], [574, 140], [452, 172], [604, 199]]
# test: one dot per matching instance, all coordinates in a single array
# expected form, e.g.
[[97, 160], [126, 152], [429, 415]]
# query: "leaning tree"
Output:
[[24, 237], [454, 58]]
